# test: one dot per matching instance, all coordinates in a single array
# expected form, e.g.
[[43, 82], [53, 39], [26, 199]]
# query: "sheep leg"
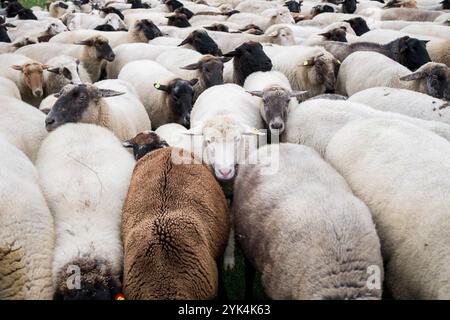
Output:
[[228, 261], [249, 280], [222, 292]]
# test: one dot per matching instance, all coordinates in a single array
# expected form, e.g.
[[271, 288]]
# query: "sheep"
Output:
[[92, 52], [276, 34], [64, 70], [38, 29], [377, 158], [123, 113], [306, 123], [409, 14], [129, 52], [305, 251], [308, 68], [87, 223], [9, 88], [4, 37], [191, 219], [248, 58], [189, 64], [359, 25], [255, 6], [411, 53], [59, 9], [22, 125], [439, 51], [429, 30], [277, 97], [200, 41], [432, 78], [407, 102], [87, 21], [383, 36], [27, 237], [27, 74], [141, 31], [166, 97], [263, 20], [175, 135]]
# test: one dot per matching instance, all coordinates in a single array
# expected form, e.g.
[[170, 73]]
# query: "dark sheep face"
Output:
[[294, 6], [13, 9], [137, 4], [325, 70], [172, 5], [349, 6], [105, 27], [321, 9], [414, 52], [248, 58], [358, 25], [202, 42], [180, 96], [446, 4], [62, 5], [102, 48], [144, 143], [211, 70], [178, 20], [150, 30], [74, 103], [4, 37], [26, 14], [108, 10], [188, 13], [218, 27], [337, 34], [436, 77]]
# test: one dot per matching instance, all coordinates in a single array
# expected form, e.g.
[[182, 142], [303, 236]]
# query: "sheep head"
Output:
[[145, 142], [99, 48], [337, 34], [282, 36], [33, 75], [323, 69], [202, 42], [210, 69], [147, 30]]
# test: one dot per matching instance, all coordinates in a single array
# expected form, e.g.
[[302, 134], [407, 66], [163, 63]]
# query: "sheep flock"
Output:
[[174, 149]]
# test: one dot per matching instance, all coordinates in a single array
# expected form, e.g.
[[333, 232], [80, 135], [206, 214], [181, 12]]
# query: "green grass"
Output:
[[31, 3]]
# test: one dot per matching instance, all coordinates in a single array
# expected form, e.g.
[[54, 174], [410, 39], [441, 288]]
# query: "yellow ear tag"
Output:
[[157, 85], [305, 63], [339, 61], [448, 19]]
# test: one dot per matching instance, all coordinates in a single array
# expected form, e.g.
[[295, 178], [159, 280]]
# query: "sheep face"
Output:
[[349, 6], [188, 13], [358, 25], [413, 52], [218, 27], [446, 4], [33, 75], [248, 58], [99, 48], [178, 20], [114, 20], [4, 37], [337, 34], [322, 70], [276, 105], [210, 69], [282, 36], [202, 42], [172, 5], [26, 14], [144, 143], [69, 70], [434, 78], [294, 6], [13, 9], [278, 16], [77, 103], [56, 28], [148, 29], [96, 281], [321, 9], [180, 95]]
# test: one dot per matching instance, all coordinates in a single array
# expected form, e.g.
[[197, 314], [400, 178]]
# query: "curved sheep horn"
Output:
[[414, 76], [256, 93]]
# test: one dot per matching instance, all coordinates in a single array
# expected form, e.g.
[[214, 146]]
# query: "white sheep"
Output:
[[299, 224], [22, 125], [64, 70], [407, 102], [402, 173], [304, 124], [277, 97], [112, 104], [129, 52], [88, 21], [383, 36], [439, 51], [27, 237], [175, 135], [166, 97], [27, 74], [263, 20], [308, 68], [9, 88], [361, 70], [429, 30], [36, 28], [85, 190], [255, 6]]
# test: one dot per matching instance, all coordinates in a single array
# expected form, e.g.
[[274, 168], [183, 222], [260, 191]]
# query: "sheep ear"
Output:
[[230, 54], [162, 87], [297, 94], [193, 66], [88, 42], [256, 93], [253, 131], [325, 34], [106, 93], [225, 59], [185, 41], [17, 67], [414, 76], [128, 144], [45, 66], [273, 34], [56, 70], [193, 82]]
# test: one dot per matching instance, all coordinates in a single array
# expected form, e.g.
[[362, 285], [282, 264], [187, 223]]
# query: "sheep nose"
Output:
[[268, 65], [187, 120], [49, 122], [225, 172], [38, 93], [276, 126]]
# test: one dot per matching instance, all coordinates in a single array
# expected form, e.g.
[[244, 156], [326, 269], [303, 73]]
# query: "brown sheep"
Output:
[[175, 226]]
